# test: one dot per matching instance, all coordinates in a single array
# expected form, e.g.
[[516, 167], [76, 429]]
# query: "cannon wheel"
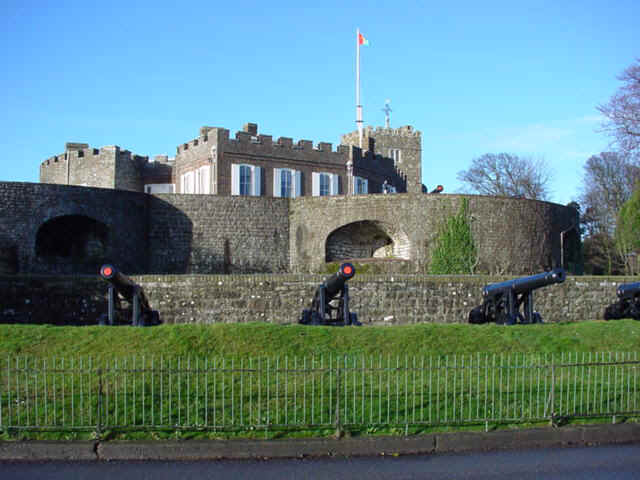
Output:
[[316, 319], [476, 316], [613, 312], [306, 317], [490, 312]]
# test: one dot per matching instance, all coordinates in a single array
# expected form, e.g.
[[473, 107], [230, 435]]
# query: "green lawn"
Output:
[[259, 339], [229, 377]]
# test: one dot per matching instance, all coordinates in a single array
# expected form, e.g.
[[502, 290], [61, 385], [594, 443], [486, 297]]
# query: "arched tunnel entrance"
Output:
[[366, 239], [72, 243]]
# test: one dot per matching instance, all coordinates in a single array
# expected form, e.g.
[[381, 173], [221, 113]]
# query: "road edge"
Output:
[[237, 449]]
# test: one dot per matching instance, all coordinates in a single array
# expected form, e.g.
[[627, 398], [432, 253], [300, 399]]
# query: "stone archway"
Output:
[[366, 239], [73, 243]]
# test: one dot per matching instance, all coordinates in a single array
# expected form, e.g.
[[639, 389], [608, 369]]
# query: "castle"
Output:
[[252, 205], [251, 164]]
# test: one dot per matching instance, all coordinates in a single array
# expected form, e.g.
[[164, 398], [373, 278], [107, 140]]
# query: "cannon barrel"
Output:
[[525, 284], [124, 285], [335, 283], [628, 290]]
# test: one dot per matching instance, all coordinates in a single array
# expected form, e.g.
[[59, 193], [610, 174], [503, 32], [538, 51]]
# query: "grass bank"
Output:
[[259, 339], [177, 381]]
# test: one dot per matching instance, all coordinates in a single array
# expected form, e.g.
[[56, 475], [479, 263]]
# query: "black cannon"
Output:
[[628, 304], [322, 310], [502, 301], [122, 286]]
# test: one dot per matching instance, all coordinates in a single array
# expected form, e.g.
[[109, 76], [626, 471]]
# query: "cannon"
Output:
[[333, 289], [502, 301], [628, 304], [120, 285]]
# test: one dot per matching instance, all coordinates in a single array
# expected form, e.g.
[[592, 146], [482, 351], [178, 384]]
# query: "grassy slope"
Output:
[[259, 339]]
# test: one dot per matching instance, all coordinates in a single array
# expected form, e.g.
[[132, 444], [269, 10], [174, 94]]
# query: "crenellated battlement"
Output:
[[79, 150], [249, 141], [407, 132], [83, 150]]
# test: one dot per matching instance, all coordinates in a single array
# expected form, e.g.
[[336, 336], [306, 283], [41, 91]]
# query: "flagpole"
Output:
[[358, 106]]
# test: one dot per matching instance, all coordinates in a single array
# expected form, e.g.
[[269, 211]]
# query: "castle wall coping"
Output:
[[261, 279]]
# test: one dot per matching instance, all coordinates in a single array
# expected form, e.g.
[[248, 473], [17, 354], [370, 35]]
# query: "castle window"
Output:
[[395, 154], [202, 180], [159, 188], [187, 183], [325, 190], [324, 184], [246, 180], [361, 185], [287, 183]]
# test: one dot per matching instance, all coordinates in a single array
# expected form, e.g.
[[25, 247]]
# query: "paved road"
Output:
[[620, 462]]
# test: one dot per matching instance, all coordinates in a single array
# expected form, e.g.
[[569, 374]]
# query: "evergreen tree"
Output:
[[455, 251], [628, 232]]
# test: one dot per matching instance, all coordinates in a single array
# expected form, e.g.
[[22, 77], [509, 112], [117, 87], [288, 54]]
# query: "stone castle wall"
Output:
[[26, 207], [279, 299], [512, 235], [212, 234]]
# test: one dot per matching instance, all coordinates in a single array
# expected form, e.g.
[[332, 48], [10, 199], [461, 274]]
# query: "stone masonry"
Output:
[[377, 299], [69, 229]]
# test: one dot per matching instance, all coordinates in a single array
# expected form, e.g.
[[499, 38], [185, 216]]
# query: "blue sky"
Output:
[[473, 77]]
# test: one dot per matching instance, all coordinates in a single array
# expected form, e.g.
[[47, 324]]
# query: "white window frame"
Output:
[[255, 179], [296, 182], [395, 154], [202, 180], [332, 178], [360, 185], [152, 188], [187, 182]]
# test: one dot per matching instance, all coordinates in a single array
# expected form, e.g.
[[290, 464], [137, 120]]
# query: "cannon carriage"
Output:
[[120, 285], [330, 304], [628, 304]]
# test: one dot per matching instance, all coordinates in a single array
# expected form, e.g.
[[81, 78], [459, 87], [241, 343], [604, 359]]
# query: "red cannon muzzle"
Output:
[[107, 271]]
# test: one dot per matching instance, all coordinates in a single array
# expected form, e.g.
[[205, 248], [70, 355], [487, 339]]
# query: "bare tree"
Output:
[[607, 184], [622, 113], [506, 174]]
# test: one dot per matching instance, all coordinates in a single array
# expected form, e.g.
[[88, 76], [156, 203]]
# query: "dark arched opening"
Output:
[[365, 239], [72, 243]]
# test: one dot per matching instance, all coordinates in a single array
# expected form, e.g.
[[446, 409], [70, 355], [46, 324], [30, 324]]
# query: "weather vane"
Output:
[[387, 110]]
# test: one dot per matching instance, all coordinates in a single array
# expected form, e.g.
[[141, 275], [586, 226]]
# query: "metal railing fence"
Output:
[[344, 391]]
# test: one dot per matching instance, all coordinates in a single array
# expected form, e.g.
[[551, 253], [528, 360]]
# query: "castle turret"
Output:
[[403, 145]]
